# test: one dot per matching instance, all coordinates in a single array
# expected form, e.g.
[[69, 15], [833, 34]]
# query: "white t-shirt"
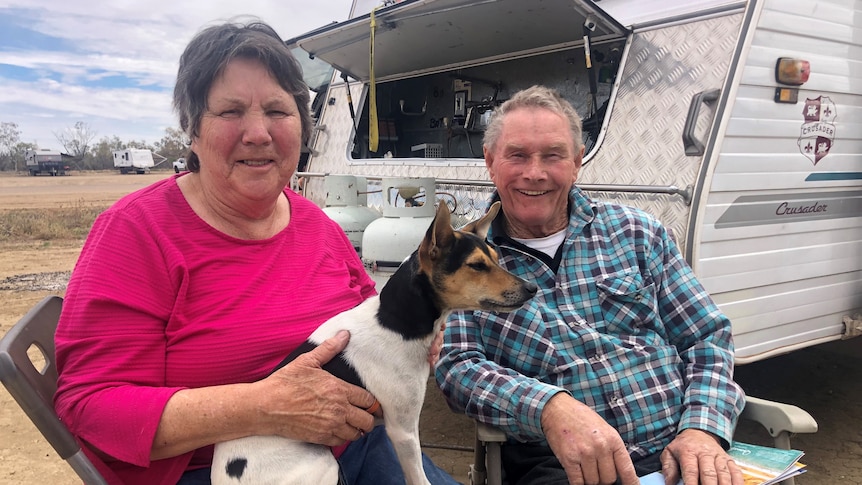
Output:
[[547, 244]]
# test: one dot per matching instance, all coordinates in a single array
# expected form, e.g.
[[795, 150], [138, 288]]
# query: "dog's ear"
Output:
[[442, 225], [439, 234], [480, 227]]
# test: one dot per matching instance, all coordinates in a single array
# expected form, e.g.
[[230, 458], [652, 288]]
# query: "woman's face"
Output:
[[250, 136]]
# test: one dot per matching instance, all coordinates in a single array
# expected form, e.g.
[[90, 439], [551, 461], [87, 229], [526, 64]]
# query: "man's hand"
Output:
[[701, 459], [590, 450], [436, 347]]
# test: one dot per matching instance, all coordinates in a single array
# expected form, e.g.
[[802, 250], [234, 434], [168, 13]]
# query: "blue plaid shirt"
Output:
[[622, 325]]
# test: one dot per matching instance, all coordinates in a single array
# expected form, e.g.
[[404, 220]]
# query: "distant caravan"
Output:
[[49, 162], [133, 160]]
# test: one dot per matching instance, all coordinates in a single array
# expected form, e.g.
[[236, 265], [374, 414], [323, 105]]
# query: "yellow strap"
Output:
[[373, 133]]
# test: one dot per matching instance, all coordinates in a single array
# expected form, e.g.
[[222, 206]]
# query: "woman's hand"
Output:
[[299, 401], [309, 404]]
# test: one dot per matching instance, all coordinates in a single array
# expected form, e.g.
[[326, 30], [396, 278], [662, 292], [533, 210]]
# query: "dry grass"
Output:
[[59, 223]]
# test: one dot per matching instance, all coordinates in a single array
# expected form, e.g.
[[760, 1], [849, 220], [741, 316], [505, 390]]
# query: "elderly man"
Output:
[[622, 364]]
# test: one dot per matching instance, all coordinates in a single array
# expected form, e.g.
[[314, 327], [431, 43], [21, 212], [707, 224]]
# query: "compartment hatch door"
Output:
[[415, 37]]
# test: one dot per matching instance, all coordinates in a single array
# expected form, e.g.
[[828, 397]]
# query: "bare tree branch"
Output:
[[76, 141]]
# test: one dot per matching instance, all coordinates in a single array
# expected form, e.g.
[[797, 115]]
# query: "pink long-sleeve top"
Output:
[[160, 301]]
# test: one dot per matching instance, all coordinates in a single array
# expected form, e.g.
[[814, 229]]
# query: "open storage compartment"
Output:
[[442, 66]]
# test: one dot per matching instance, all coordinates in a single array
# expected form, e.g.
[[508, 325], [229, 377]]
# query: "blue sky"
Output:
[[112, 64]]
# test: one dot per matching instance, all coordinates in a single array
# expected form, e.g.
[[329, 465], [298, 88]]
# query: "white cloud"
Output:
[[132, 47]]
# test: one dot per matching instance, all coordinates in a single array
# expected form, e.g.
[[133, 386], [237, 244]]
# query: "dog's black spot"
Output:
[[338, 366], [236, 467]]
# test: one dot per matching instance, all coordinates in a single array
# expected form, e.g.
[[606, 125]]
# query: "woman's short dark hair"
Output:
[[206, 57]]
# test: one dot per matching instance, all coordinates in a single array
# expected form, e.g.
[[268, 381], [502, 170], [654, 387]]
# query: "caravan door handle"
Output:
[[693, 146]]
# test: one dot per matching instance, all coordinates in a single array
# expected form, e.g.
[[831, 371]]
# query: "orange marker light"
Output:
[[790, 71]]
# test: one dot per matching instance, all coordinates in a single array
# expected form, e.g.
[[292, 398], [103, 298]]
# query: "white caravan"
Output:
[[133, 160], [737, 123]]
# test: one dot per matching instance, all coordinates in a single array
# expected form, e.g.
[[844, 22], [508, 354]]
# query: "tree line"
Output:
[[86, 154]]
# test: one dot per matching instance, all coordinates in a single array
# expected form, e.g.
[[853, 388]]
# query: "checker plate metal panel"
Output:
[[643, 143]]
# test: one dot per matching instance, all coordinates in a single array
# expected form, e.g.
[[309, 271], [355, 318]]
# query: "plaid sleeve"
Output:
[[486, 391], [702, 336]]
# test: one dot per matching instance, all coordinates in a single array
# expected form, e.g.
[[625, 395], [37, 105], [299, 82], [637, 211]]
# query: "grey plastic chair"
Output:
[[34, 387], [780, 420]]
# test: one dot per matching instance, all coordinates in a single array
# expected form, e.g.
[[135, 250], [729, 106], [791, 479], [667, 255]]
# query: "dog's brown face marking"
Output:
[[478, 282], [463, 267]]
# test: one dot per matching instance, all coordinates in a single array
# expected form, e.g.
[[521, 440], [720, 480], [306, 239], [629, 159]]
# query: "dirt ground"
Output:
[[825, 380]]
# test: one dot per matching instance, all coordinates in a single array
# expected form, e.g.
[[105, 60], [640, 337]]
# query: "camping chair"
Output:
[[34, 387], [780, 420]]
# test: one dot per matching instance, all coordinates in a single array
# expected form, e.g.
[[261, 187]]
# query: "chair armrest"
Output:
[[779, 419], [487, 467], [489, 434]]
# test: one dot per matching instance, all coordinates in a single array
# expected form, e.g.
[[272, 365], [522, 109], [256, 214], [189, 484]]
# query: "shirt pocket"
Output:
[[628, 303]]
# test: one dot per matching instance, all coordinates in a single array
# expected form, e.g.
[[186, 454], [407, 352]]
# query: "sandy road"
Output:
[[102, 188]]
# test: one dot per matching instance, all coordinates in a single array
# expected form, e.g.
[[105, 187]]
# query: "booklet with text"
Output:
[[760, 465], [764, 465]]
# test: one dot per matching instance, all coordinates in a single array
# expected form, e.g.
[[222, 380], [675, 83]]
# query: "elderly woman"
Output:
[[189, 292]]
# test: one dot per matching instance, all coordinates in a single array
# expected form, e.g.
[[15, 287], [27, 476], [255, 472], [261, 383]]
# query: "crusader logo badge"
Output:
[[818, 129]]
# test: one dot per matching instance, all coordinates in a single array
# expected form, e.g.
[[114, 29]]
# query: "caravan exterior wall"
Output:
[[778, 236], [773, 231]]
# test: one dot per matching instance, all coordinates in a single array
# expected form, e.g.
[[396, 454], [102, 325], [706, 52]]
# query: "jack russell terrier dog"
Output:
[[390, 338]]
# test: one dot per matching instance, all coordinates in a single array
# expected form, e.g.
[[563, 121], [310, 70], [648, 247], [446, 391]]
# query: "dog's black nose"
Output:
[[530, 287]]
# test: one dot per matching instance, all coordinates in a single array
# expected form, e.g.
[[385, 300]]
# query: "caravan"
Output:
[[52, 162], [737, 123], [133, 160]]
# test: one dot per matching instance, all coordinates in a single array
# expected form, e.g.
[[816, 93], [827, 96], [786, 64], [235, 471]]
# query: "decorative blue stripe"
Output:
[[826, 176]]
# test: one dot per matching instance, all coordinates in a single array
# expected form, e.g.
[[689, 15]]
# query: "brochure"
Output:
[[764, 465], [760, 465]]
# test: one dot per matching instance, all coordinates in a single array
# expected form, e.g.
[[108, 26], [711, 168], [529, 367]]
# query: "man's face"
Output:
[[533, 165]]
